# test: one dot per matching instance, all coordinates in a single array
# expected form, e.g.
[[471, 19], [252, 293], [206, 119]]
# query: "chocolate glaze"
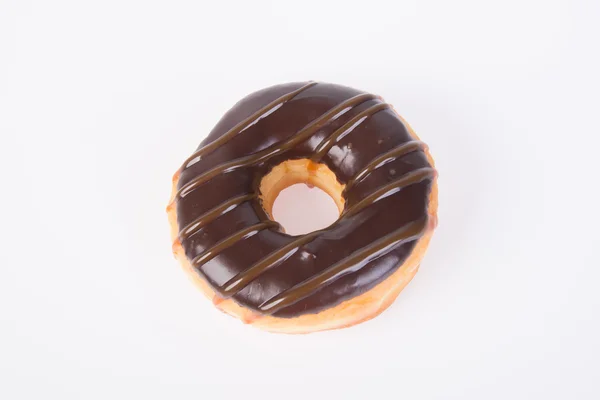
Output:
[[242, 254]]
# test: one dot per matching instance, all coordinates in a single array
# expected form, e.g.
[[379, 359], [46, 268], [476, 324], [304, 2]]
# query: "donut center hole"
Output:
[[301, 209], [302, 196]]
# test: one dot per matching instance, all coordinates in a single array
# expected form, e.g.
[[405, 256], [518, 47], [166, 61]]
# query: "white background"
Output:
[[101, 101]]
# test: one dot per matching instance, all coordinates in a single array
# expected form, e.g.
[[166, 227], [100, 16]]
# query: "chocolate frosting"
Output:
[[242, 254]]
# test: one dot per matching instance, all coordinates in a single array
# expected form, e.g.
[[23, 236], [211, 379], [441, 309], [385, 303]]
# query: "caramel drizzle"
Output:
[[213, 214], [229, 241], [241, 280], [383, 159], [276, 149], [347, 265], [243, 125], [326, 144], [411, 178]]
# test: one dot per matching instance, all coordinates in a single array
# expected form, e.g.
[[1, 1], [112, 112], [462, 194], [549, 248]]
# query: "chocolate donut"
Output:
[[349, 143]]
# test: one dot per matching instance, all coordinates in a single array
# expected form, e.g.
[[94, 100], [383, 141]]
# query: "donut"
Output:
[[350, 144]]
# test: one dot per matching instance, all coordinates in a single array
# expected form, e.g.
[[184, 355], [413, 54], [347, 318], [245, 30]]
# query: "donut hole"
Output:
[[301, 209], [302, 196]]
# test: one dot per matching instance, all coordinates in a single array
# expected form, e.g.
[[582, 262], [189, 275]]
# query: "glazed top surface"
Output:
[[232, 243]]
